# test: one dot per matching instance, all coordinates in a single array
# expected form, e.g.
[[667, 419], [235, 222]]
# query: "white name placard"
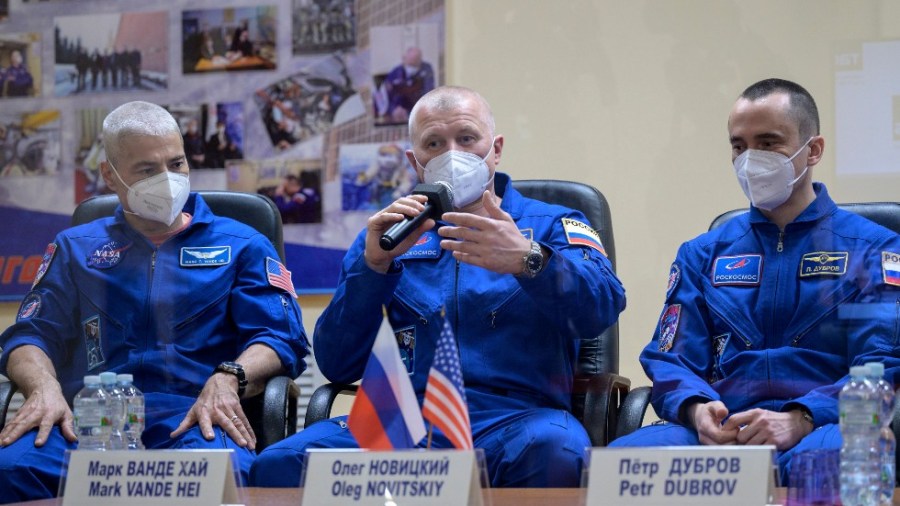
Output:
[[411, 477], [681, 475], [150, 478]]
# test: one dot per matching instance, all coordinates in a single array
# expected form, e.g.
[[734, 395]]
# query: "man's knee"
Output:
[[28, 472], [662, 434], [280, 464]]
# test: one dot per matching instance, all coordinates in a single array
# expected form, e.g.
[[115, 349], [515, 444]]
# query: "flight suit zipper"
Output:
[[780, 247], [796, 340]]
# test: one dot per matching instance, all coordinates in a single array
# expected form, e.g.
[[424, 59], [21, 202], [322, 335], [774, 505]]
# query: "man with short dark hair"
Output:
[[765, 315]]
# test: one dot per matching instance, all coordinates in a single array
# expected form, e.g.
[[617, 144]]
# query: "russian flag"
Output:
[[890, 265], [385, 414]]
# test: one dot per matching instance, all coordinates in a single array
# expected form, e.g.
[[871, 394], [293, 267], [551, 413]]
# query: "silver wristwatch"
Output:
[[533, 261]]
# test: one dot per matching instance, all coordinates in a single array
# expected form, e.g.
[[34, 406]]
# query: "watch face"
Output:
[[534, 263]]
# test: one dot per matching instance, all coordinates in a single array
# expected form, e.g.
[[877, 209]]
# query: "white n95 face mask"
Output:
[[467, 174], [767, 177], [158, 198]]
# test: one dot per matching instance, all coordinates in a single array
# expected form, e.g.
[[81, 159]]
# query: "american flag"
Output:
[[279, 276], [445, 399]]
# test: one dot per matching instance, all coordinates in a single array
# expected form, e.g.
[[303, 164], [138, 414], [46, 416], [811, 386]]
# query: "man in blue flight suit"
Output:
[[765, 315], [521, 282], [186, 301]]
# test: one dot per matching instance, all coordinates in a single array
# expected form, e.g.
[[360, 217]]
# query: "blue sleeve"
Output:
[[265, 314], [577, 285], [679, 357], [47, 318], [346, 330]]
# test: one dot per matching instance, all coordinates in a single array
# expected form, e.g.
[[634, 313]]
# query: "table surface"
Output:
[[498, 497]]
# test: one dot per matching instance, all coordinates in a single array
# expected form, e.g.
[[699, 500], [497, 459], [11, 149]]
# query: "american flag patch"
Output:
[[279, 276], [581, 233]]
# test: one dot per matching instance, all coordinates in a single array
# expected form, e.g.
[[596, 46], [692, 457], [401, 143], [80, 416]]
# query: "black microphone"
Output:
[[440, 201]]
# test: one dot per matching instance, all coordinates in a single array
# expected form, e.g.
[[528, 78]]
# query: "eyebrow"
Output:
[[759, 137]]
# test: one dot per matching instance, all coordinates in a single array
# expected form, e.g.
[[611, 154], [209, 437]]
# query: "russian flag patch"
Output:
[[582, 234], [890, 268]]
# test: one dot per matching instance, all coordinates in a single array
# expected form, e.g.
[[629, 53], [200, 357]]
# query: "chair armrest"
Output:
[[7, 389], [322, 400], [602, 394], [632, 411], [273, 413]]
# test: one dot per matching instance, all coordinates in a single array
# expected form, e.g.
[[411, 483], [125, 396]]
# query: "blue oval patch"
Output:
[[108, 255]]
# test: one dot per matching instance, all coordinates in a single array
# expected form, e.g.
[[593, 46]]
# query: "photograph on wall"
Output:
[[309, 102], [212, 133], [373, 175], [89, 153], [321, 26], [100, 53], [230, 39], [403, 64], [30, 143], [20, 65], [294, 185]]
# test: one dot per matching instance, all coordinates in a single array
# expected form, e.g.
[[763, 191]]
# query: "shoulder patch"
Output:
[[279, 276], [30, 307], [824, 263], [738, 270], [205, 256], [528, 233], [890, 268], [582, 234], [668, 326], [45, 264], [674, 278], [427, 247]]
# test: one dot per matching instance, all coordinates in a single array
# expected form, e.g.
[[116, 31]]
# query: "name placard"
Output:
[[682, 475], [150, 478], [411, 477]]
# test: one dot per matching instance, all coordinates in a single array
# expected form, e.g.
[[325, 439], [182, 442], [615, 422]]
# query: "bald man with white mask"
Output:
[[503, 273]]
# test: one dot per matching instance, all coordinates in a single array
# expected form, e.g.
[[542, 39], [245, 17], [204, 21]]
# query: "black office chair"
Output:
[[272, 414], [598, 390]]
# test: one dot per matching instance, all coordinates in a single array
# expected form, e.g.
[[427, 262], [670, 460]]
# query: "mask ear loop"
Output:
[[116, 172]]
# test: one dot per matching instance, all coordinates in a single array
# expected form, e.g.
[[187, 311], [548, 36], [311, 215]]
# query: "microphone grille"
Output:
[[449, 189]]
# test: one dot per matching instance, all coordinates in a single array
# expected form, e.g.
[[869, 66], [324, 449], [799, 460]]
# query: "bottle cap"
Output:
[[92, 380], [125, 378], [107, 377], [875, 369], [859, 371]]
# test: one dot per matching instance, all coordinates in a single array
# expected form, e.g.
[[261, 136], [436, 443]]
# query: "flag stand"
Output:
[[430, 431]]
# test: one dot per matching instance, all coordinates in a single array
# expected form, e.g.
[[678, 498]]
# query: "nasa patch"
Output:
[[107, 255], [674, 278], [668, 326], [30, 306], [427, 247], [45, 264], [737, 270], [824, 263], [406, 341], [205, 256], [90, 328]]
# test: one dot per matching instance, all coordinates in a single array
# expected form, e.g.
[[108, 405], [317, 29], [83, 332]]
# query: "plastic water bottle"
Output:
[[134, 412], [888, 443], [860, 422], [116, 408], [92, 423]]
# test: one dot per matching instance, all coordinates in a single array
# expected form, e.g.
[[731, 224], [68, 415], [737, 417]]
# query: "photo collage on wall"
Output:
[[303, 101]]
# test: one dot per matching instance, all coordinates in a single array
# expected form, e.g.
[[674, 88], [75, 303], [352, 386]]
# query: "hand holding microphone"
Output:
[[440, 201]]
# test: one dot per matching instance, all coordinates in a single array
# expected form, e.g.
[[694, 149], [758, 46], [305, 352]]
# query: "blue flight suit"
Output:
[[518, 343], [109, 300], [759, 318]]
